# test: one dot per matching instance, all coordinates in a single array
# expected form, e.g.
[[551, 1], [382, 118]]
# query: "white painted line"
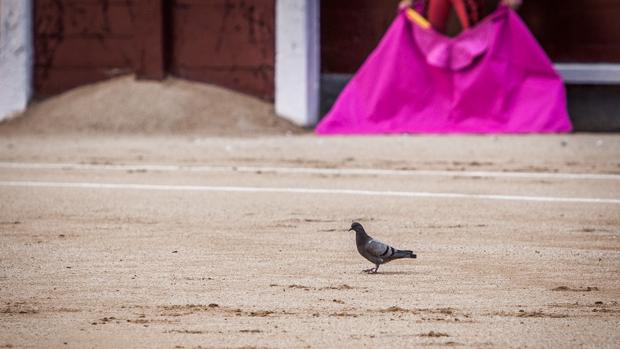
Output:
[[305, 170], [235, 189]]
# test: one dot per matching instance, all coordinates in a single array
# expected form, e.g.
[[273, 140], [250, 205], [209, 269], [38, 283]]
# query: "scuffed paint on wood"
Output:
[[225, 42], [80, 42]]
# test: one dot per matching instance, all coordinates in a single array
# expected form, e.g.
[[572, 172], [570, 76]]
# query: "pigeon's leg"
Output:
[[372, 270]]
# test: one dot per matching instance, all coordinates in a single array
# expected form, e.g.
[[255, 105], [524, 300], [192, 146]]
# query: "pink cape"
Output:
[[492, 78]]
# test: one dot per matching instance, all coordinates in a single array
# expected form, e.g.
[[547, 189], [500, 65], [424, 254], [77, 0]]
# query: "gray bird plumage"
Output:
[[376, 251]]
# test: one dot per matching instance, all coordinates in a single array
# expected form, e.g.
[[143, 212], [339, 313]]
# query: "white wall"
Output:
[[15, 56], [297, 60]]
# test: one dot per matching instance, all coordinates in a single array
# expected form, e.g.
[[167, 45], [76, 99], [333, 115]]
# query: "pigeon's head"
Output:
[[356, 226]]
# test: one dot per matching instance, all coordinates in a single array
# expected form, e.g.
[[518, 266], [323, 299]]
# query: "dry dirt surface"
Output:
[[215, 242], [125, 105]]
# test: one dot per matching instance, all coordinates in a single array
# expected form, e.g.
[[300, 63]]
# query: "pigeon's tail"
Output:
[[404, 254]]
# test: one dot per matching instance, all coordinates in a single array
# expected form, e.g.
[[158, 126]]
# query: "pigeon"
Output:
[[376, 251]]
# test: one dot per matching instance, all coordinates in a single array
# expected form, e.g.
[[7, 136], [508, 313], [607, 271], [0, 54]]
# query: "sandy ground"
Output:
[[125, 105], [129, 267]]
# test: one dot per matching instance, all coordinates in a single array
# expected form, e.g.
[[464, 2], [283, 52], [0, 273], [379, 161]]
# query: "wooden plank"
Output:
[[50, 82], [81, 41], [84, 41], [214, 38], [149, 40], [219, 33], [79, 17], [230, 43], [85, 52]]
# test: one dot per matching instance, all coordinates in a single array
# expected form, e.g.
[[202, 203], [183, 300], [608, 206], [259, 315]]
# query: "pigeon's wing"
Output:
[[378, 249]]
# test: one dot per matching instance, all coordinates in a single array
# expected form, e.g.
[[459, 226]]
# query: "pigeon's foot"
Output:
[[371, 270]]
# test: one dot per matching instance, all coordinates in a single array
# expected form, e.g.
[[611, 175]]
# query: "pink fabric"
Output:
[[492, 78]]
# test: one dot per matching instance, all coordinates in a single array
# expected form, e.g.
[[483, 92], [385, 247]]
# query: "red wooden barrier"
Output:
[[228, 43]]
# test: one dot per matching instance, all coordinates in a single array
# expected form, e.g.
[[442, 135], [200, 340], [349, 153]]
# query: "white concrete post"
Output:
[[298, 60], [589, 73], [15, 56]]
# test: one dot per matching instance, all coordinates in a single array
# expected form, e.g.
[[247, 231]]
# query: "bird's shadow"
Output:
[[387, 273]]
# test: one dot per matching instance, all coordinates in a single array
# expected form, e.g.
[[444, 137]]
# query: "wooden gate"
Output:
[[225, 42]]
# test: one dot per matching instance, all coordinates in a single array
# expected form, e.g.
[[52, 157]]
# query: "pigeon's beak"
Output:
[[350, 229]]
